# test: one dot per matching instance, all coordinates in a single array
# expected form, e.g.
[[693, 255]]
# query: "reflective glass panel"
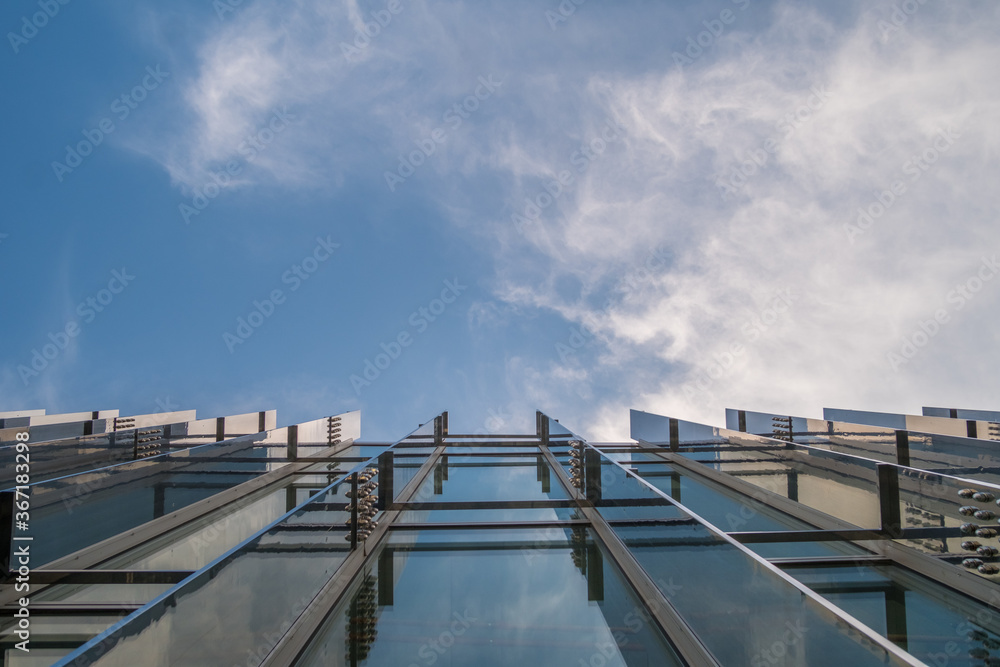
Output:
[[490, 597]]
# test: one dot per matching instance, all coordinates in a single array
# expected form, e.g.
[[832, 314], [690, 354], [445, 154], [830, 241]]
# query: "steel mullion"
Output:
[[928, 566], [671, 623], [295, 641], [489, 525], [836, 611]]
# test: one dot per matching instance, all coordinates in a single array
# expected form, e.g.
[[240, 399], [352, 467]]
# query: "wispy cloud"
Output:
[[820, 118]]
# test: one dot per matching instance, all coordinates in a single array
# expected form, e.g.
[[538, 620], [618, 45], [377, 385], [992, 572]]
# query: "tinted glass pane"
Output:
[[488, 481], [933, 623], [744, 613], [458, 598]]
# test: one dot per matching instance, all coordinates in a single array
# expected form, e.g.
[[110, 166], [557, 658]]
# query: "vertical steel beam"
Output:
[[385, 483], [903, 448], [354, 511], [888, 499], [592, 474], [386, 578], [6, 529], [293, 442]]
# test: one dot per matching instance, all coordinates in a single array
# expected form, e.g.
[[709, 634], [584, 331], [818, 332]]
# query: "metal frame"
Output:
[[873, 540], [864, 631]]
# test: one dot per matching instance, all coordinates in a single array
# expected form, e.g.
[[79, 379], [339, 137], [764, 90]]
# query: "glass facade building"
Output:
[[857, 539]]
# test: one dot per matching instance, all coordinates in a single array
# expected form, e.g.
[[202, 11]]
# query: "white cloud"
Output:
[[878, 99], [887, 102]]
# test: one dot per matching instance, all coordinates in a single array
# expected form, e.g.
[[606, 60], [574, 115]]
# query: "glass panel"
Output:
[[404, 469], [718, 505], [92, 593], [927, 619], [744, 613], [622, 496], [552, 597], [195, 545], [274, 577], [52, 636], [842, 486], [486, 481], [238, 608], [487, 515], [805, 549], [38, 657], [71, 513], [472, 449]]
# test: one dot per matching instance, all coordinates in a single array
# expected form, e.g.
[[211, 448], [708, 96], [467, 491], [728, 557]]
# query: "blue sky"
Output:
[[499, 206]]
